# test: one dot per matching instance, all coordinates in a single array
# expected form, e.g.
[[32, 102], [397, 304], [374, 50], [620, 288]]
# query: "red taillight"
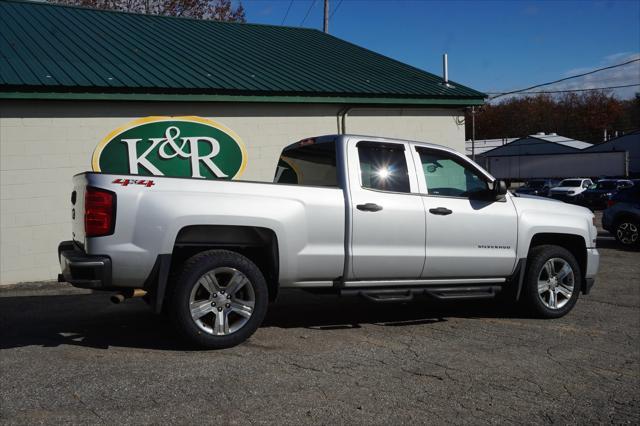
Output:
[[99, 212], [610, 203]]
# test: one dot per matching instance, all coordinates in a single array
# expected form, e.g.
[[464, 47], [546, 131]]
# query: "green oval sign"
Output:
[[172, 146]]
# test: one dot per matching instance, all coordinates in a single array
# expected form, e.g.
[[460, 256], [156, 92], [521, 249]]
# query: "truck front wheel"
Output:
[[219, 300], [552, 281]]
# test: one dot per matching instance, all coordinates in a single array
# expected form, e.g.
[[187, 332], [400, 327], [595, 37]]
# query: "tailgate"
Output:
[[77, 208]]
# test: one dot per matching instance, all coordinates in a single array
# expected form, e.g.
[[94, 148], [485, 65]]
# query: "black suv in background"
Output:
[[597, 196], [622, 217], [538, 187]]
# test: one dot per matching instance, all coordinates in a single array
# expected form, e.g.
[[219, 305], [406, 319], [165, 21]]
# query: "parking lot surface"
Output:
[[77, 358]]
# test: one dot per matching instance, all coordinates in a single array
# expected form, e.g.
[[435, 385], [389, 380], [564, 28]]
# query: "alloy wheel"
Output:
[[556, 283], [627, 233], [222, 301]]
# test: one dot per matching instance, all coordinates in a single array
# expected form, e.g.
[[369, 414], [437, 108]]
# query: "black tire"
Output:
[[538, 257], [180, 299], [627, 232]]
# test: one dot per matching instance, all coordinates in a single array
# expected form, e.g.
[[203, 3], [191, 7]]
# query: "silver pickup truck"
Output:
[[356, 215]]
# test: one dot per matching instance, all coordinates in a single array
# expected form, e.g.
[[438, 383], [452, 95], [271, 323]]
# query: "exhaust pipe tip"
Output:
[[127, 294], [117, 298]]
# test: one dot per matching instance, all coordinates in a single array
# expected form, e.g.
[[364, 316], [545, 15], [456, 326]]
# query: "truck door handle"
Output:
[[443, 211], [369, 207]]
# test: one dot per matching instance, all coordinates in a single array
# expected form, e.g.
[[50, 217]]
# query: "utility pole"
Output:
[[473, 133], [326, 16]]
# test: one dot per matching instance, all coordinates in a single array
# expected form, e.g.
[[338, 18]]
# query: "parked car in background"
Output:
[[597, 196], [568, 189], [538, 187], [622, 217]]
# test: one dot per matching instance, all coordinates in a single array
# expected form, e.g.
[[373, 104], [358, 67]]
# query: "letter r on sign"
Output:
[[206, 159]]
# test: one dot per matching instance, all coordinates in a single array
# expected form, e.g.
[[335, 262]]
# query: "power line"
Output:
[[287, 13], [565, 91], [336, 9], [308, 11], [567, 78]]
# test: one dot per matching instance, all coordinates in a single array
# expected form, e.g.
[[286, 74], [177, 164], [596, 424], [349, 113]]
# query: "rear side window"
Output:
[[313, 164], [383, 167]]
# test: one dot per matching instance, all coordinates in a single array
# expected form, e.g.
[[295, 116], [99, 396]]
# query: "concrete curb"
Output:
[[40, 288]]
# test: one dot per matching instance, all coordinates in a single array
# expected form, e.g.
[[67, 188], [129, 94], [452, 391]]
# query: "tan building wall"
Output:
[[44, 143]]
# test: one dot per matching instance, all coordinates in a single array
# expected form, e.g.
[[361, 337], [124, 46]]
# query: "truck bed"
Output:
[[151, 211]]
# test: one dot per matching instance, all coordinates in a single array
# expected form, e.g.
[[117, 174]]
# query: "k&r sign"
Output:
[[172, 146]]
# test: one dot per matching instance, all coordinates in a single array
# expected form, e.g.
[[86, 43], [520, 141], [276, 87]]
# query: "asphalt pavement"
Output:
[[76, 358]]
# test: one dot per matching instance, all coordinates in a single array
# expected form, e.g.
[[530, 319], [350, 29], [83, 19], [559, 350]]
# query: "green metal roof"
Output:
[[50, 51]]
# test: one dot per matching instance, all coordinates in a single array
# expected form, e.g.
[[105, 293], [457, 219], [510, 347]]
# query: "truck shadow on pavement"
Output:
[[90, 320]]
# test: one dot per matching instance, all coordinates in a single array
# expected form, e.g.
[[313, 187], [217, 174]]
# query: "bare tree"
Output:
[[217, 10], [580, 116]]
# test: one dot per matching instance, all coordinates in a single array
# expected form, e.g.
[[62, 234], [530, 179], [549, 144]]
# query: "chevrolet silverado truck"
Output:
[[354, 215]]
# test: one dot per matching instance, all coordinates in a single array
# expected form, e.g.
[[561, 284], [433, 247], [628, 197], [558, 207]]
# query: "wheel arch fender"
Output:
[[574, 243], [259, 244], [625, 215]]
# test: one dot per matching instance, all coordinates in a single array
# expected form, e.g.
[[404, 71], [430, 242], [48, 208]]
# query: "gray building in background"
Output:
[[553, 156], [630, 143], [538, 144], [480, 146]]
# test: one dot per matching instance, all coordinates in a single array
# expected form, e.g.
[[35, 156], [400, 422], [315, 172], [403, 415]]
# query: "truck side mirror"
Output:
[[499, 189]]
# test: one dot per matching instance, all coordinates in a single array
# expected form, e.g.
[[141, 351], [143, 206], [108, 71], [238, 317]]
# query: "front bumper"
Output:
[[83, 270], [593, 264]]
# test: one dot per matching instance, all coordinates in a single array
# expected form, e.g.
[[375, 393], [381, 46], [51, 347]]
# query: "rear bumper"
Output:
[[82, 270]]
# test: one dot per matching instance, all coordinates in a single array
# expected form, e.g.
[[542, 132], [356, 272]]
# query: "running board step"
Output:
[[456, 292]]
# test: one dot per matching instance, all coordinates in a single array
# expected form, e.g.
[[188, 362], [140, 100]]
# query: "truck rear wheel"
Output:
[[219, 300], [552, 281]]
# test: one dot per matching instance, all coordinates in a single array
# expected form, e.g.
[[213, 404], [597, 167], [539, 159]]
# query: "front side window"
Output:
[[311, 164], [449, 176], [383, 167]]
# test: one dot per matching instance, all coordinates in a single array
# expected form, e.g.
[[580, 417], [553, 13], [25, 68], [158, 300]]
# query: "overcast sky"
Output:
[[493, 46]]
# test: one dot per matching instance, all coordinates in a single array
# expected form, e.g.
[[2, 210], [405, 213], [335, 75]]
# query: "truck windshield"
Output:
[[571, 182], [308, 163], [535, 184]]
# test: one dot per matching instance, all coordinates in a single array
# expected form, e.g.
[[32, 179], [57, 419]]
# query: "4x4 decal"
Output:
[[126, 182]]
